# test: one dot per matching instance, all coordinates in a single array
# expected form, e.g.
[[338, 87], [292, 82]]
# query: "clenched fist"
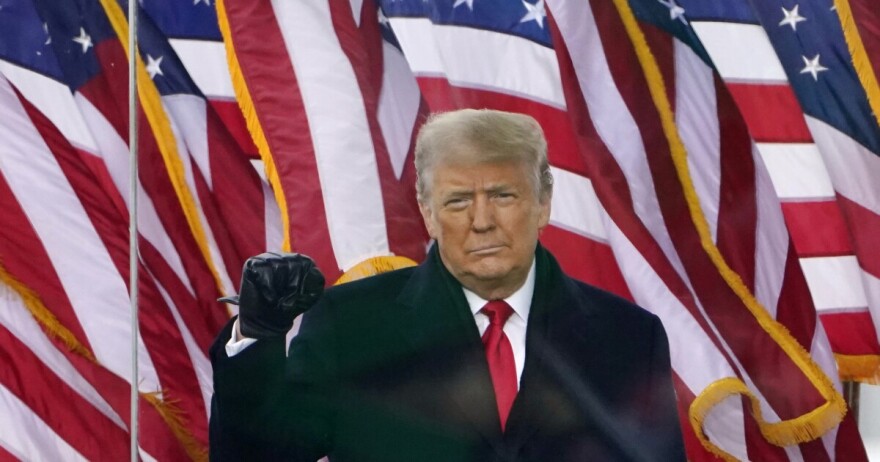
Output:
[[275, 288]]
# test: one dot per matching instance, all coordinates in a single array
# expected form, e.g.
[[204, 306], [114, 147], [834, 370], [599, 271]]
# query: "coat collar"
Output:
[[436, 315]]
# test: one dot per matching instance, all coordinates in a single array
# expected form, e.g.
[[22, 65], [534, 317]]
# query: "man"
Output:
[[486, 351]]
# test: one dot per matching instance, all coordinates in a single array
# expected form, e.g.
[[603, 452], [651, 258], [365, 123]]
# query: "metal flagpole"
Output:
[[132, 220]]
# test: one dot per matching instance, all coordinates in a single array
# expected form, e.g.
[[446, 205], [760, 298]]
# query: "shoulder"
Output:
[[359, 301], [594, 301], [382, 286]]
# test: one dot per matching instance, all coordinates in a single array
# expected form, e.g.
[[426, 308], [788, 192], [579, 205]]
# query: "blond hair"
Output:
[[495, 137]]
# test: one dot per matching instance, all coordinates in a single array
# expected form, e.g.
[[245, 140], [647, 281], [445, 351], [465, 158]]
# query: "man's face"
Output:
[[486, 219]]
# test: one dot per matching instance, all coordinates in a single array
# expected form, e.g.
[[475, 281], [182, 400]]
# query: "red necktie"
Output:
[[499, 355]]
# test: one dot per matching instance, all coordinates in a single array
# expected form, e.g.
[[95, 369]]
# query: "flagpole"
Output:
[[132, 220]]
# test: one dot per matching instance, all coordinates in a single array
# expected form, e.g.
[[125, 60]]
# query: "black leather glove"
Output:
[[275, 288]]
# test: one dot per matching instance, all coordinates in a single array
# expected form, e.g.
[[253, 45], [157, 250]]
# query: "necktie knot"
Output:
[[498, 312]]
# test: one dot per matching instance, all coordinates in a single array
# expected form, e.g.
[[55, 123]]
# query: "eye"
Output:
[[456, 203], [505, 196]]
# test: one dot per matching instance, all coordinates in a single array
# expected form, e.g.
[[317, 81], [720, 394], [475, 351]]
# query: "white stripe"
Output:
[[399, 102], [820, 351], [339, 130], [771, 239], [872, 294], [99, 295], [205, 61], [27, 436], [725, 427], [575, 206], [797, 170], [200, 363], [835, 282], [271, 214], [356, 7], [272, 217], [15, 317], [740, 52], [613, 121], [481, 59], [53, 99], [853, 168], [696, 115]]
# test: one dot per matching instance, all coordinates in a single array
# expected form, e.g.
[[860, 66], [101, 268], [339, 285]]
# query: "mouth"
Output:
[[486, 250]]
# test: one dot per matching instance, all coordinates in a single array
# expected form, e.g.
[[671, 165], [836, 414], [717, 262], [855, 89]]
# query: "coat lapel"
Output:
[[557, 324], [437, 320]]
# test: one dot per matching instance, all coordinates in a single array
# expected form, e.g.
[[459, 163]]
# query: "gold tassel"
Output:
[[801, 429], [246, 103]]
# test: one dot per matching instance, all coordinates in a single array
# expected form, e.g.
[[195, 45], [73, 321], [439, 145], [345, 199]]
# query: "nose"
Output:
[[483, 215]]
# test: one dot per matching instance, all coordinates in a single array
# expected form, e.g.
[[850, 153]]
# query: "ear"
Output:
[[544, 212], [427, 217]]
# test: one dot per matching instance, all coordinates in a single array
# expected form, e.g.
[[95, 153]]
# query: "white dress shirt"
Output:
[[515, 328]]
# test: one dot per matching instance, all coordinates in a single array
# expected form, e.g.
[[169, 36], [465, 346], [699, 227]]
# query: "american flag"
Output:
[[670, 189], [790, 71], [64, 252]]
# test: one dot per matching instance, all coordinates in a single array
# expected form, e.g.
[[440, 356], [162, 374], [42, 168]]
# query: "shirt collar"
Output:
[[520, 301]]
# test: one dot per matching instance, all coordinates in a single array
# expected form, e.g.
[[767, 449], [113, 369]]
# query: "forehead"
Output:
[[480, 175]]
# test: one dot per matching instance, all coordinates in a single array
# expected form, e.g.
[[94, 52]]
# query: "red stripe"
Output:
[[795, 309], [362, 45], [737, 205], [238, 192], [5, 456], [561, 139], [762, 357], [864, 227], [586, 259], [817, 228], [68, 414], [849, 446], [757, 446], [271, 81], [867, 18], [230, 114], [693, 447], [771, 112], [851, 333], [158, 328]]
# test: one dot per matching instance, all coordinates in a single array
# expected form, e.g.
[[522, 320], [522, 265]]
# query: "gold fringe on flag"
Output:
[[170, 413], [807, 427], [252, 119], [859, 368], [861, 61], [174, 418], [151, 103], [45, 317]]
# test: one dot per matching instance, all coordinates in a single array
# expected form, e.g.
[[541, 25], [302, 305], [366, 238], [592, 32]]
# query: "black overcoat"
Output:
[[391, 368]]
